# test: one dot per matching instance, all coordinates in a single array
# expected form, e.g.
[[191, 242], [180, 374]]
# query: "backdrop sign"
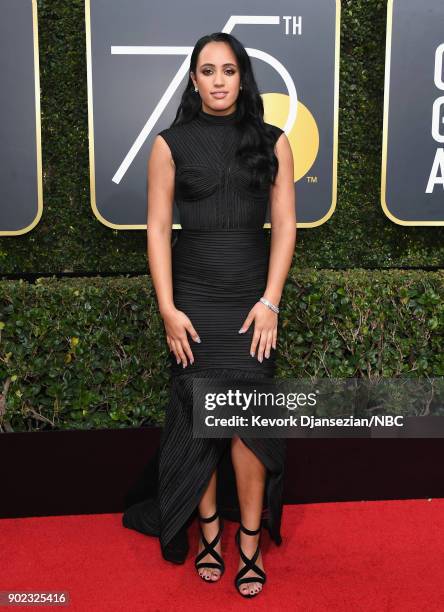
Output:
[[412, 178], [138, 56], [21, 201]]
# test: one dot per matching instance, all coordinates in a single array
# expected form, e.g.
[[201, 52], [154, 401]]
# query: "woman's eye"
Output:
[[230, 71]]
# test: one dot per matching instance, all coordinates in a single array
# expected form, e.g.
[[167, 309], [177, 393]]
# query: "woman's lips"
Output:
[[219, 94]]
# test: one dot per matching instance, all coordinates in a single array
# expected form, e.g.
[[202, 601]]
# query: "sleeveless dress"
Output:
[[219, 272]]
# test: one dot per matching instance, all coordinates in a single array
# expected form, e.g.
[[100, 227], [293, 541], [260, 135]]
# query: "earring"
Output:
[[196, 89], [240, 87]]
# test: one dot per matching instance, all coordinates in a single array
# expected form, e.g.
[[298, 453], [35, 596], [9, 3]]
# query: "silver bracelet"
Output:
[[270, 305]]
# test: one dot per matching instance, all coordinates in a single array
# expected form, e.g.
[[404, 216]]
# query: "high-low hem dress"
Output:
[[219, 270]]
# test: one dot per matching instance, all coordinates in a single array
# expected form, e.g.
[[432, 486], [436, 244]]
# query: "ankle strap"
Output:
[[208, 519], [250, 531]]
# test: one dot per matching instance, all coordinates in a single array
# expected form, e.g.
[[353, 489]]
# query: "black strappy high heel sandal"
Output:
[[250, 564], [209, 549]]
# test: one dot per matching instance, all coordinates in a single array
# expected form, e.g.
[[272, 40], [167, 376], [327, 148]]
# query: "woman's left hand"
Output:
[[265, 329]]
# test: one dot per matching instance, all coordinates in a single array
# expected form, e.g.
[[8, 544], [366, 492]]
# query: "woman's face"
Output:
[[217, 72]]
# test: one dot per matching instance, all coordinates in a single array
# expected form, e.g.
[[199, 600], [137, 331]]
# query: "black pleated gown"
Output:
[[219, 269]]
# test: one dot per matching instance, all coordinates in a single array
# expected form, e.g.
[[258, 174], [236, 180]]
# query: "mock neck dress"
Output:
[[219, 272]]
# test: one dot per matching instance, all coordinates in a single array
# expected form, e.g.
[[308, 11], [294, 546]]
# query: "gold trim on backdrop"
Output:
[[92, 177], [38, 131], [334, 187], [388, 50], [323, 219]]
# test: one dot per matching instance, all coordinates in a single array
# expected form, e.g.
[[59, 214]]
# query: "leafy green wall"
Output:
[[90, 353]]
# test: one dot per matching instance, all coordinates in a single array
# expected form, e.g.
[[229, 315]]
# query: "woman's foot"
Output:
[[249, 544], [210, 531]]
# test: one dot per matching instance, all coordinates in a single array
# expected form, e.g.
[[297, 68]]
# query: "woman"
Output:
[[223, 166]]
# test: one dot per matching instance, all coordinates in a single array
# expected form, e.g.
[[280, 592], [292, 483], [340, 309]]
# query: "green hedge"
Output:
[[70, 239], [90, 353]]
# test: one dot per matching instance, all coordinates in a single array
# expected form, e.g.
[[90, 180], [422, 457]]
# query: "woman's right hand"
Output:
[[177, 324]]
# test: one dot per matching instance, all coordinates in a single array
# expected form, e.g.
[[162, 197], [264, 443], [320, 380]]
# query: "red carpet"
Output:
[[376, 556]]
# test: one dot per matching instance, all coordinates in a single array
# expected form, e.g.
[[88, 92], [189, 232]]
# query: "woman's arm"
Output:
[[161, 176], [283, 222], [283, 240], [159, 221]]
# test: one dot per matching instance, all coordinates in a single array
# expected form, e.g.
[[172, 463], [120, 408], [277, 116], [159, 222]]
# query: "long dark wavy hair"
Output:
[[256, 144]]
